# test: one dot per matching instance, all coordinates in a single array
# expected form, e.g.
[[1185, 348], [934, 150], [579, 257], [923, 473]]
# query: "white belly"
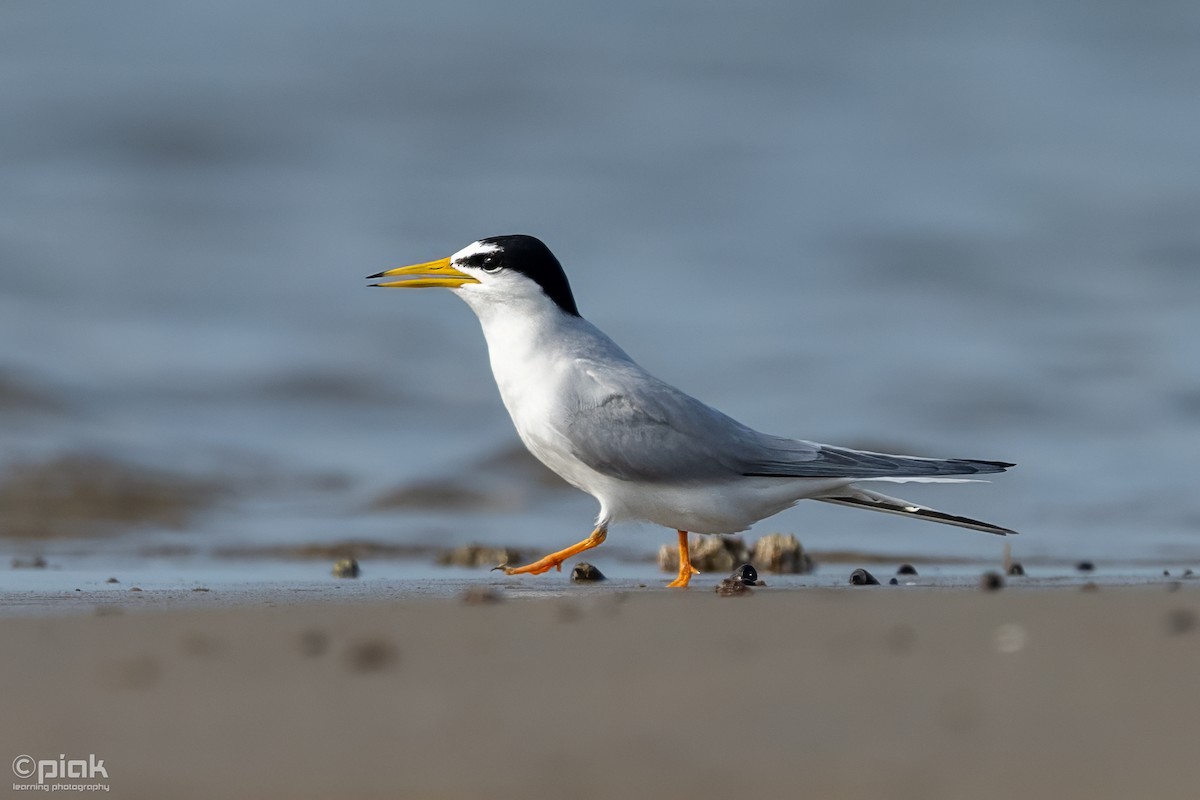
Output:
[[718, 508]]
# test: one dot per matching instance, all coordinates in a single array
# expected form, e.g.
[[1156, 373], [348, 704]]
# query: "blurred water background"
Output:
[[933, 228]]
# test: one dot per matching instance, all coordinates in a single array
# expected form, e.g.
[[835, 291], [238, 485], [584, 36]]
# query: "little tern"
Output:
[[644, 449]]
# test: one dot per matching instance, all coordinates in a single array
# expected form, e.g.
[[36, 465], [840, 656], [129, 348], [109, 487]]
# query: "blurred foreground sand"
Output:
[[814, 693]]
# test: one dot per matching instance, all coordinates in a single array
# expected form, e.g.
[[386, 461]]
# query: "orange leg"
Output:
[[686, 570], [555, 559]]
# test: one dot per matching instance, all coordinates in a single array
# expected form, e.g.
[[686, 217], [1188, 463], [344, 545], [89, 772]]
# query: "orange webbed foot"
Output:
[[555, 560]]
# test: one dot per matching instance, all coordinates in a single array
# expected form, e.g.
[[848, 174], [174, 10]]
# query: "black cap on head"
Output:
[[530, 257]]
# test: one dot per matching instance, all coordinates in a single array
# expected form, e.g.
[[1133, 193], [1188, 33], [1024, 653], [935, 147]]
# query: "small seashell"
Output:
[[585, 572], [860, 577], [747, 574]]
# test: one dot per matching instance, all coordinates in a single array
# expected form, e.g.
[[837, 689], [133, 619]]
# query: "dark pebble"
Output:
[[732, 587], [1085, 566], [346, 568], [991, 581], [1016, 569], [906, 569], [1187, 573], [585, 572], [135, 588], [112, 580], [1180, 620], [1166, 573], [894, 582], [860, 577], [201, 589]]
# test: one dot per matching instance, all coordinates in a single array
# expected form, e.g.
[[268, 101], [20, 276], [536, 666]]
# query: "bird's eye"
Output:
[[491, 264]]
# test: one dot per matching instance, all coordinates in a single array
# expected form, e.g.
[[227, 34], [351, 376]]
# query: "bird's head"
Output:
[[493, 271]]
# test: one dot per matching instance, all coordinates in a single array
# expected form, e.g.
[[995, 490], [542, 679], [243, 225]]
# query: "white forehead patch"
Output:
[[473, 248]]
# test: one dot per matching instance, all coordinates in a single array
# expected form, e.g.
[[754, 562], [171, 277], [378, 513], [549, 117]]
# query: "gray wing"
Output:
[[778, 460], [629, 425], [656, 435]]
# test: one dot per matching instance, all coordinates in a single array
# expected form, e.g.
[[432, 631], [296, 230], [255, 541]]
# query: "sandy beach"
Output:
[[829, 693]]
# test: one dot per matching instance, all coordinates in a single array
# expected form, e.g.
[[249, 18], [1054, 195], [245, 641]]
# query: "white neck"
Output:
[[534, 346]]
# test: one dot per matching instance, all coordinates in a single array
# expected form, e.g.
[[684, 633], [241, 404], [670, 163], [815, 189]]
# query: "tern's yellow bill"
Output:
[[424, 276]]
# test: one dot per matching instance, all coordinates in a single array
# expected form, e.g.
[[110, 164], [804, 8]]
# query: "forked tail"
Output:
[[858, 497]]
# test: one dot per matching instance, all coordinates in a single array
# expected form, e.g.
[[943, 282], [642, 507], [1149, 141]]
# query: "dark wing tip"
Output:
[[989, 466], [373, 277]]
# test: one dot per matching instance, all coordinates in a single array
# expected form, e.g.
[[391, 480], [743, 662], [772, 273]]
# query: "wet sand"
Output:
[[829, 693]]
